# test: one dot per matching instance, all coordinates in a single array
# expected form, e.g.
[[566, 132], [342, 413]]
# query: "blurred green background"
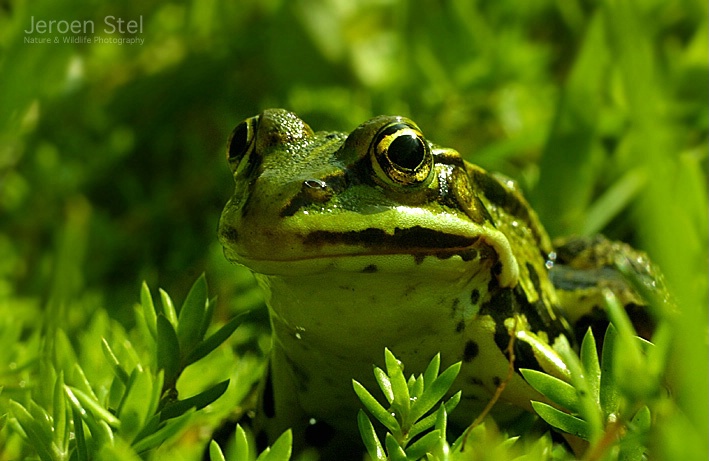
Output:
[[112, 166]]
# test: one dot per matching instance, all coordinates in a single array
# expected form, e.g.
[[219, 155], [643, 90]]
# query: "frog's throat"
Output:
[[388, 256]]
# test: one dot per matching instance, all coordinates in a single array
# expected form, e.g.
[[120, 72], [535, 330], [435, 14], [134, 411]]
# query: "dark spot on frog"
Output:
[[267, 403], [370, 269], [475, 381], [475, 296], [319, 434], [230, 234], [496, 381], [460, 327], [535, 278], [454, 307], [471, 351], [497, 268], [302, 378]]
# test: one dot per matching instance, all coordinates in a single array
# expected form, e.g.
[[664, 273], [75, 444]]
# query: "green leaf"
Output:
[[199, 401], [370, 438], [394, 450], [554, 389], [399, 388], [609, 392], [168, 308], [632, 446], [375, 408], [589, 360], [215, 453], [149, 313], [168, 350], [191, 315], [431, 373], [39, 440], [416, 387], [59, 414], [118, 370], [589, 408], [82, 450], [88, 403], [563, 421], [208, 314], [280, 450], [431, 420], [241, 444], [168, 430], [132, 410], [423, 445], [384, 384], [435, 392], [215, 340]]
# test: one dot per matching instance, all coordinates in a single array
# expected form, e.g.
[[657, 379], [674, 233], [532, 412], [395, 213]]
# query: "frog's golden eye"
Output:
[[241, 141], [402, 155]]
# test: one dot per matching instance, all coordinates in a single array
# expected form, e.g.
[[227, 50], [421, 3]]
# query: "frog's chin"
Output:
[[445, 264]]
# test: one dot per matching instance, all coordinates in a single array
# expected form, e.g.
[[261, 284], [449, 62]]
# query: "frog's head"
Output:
[[381, 198]]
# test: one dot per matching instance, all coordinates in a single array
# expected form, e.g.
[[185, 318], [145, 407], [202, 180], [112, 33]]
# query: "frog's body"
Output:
[[382, 239]]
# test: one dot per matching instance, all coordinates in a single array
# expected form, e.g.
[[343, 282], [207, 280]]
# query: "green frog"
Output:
[[381, 238]]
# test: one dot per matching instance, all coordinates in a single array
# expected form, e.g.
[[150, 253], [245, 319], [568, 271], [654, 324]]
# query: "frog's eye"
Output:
[[241, 141], [402, 155]]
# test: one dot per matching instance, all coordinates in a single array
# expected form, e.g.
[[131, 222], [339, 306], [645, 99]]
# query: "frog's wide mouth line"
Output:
[[405, 239], [373, 249]]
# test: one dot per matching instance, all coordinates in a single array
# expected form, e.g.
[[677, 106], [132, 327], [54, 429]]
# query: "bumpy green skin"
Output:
[[382, 239]]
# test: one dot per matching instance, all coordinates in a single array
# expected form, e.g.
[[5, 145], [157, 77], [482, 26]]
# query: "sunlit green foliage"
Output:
[[112, 168]]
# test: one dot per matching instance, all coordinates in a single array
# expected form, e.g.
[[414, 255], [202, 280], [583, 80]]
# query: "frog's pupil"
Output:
[[406, 151], [239, 141]]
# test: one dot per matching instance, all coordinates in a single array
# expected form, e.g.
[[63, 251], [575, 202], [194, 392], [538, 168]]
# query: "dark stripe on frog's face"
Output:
[[411, 238]]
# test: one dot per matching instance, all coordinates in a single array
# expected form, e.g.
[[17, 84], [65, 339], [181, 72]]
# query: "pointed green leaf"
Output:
[[632, 448], [610, 394], [384, 383], [149, 312], [280, 450], [59, 414], [168, 350], [423, 445], [394, 450], [191, 315], [370, 438], [375, 408], [118, 370], [199, 401], [563, 421], [208, 315], [215, 340], [435, 392], [88, 403], [82, 451], [554, 389], [416, 387], [589, 408], [432, 369], [168, 308], [168, 430], [40, 441], [395, 370], [241, 444], [132, 410], [589, 360], [215, 453]]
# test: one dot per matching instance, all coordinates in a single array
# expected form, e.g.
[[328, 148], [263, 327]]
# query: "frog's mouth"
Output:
[[373, 249]]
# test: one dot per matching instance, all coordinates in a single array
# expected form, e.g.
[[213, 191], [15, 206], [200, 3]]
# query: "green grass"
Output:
[[112, 172]]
